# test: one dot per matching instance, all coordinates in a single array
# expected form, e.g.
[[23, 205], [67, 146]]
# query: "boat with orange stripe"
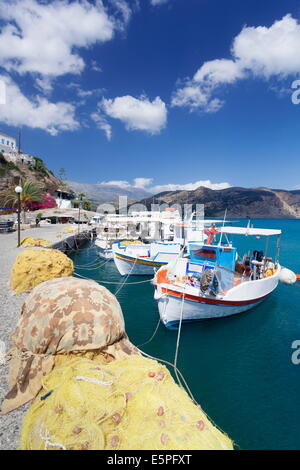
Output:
[[214, 282]]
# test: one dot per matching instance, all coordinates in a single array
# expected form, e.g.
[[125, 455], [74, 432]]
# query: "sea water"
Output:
[[239, 368]]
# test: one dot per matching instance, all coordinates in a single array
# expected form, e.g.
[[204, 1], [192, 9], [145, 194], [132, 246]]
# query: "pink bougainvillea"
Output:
[[47, 202]]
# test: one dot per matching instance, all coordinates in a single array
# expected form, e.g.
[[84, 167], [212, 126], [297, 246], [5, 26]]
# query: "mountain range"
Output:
[[106, 193], [239, 202]]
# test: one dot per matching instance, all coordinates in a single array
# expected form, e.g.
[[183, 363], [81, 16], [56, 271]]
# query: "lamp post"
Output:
[[18, 190], [80, 205]]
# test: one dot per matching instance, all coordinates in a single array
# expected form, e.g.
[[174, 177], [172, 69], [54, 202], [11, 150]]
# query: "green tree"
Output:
[[31, 192], [80, 196]]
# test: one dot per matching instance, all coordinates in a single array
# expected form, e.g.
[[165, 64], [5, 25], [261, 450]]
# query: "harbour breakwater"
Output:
[[74, 242]]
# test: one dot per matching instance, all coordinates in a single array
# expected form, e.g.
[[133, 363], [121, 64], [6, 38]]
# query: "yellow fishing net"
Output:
[[29, 241], [128, 404], [131, 242], [35, 266], [68, 229]]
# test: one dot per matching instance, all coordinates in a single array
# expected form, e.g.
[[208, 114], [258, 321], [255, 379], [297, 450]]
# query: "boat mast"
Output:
[[224, 220]]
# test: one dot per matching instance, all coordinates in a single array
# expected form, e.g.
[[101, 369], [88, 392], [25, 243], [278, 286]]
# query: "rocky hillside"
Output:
[[239, 202], [11, 173]]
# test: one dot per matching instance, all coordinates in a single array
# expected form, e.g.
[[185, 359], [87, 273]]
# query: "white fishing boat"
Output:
[[112, 228], [105, 248], [150, 229], [212, 283], [147, 258], [144, 258]]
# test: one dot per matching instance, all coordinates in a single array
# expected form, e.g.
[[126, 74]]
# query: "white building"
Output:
[[63, 199], [7, 144]]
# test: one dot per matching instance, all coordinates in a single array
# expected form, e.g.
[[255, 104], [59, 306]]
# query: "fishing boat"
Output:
[[147, 258], [105, 248], [143, 258], [213, 282], [136, 226], [112, 228]]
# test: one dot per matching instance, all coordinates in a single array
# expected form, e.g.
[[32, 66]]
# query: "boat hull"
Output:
[[135, 266], [174, 305], [103, 251], [170, 310]]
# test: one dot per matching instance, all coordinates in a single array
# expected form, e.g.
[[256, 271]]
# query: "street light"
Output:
[[18, 190], [80, 204]]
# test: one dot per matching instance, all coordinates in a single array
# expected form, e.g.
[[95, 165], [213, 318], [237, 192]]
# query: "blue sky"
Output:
[[160, 94]]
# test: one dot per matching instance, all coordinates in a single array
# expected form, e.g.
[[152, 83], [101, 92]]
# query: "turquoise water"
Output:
[[239, 368]]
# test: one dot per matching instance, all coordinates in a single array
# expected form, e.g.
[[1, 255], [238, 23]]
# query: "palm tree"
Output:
[[80, 196], [31, 192]]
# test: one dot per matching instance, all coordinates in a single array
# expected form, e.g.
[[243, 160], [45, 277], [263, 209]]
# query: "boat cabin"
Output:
[[220, 259]]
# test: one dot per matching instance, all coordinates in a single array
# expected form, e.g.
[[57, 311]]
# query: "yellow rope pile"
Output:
[[128, 404], [29, 241], [35, 266]]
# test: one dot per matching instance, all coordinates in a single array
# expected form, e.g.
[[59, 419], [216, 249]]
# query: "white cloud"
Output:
[[44, 84], [37, 113], [123, 10], [121, 183], [189, 186], [219, 71], [256, 51], [44, 38], [142, 182], [95, 67], [102, 124], [145, 183], [158, 2], [137, 113], [270, 51]]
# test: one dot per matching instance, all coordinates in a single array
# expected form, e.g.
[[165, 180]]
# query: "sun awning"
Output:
[[264, 232]]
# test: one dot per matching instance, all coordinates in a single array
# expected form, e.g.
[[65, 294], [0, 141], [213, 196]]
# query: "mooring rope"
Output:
[[122, 285], [179, 333], [153, 335], [91, 267], [112, 283], [175, 368]]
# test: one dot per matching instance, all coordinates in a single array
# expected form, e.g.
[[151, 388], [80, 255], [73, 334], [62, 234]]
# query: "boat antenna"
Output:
[[224, 220]]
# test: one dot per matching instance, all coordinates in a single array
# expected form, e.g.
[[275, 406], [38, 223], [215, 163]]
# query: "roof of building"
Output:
[[5, 135]]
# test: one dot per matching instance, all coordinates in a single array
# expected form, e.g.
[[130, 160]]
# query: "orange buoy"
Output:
[[298, 277]]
